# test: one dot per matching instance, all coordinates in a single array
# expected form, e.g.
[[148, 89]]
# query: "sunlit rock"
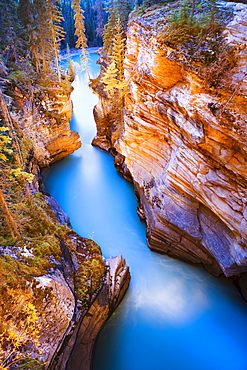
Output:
[[77, 348], [46, 122], [184, 145]]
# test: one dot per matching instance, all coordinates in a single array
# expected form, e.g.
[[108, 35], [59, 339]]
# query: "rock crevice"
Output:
[[184, 145]]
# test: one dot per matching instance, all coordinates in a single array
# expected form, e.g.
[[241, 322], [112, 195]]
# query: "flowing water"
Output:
[[174, 316]]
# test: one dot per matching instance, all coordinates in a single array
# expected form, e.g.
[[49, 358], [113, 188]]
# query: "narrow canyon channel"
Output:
[[174, 316]]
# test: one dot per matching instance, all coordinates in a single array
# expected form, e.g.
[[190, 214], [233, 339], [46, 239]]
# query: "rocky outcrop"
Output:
[[185, 146], [56, 290], [68, 320], [45, 120], [79, 342]]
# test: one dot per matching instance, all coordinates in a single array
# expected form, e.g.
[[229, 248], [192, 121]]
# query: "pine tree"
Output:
[[98, 8], [113, 78], [89, 19], [210, 7], [8, 21], [110, 78], [110, 30], [44, 44], [123, 8], [68, 24], [117, 10], [57, 32], [81, 42], [26, 12], [118, 50]]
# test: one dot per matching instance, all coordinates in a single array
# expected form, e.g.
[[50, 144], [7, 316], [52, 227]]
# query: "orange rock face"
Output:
[[47, 125], [186, 149]]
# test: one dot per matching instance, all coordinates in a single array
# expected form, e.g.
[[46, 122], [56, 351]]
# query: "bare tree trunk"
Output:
[[9, 218]]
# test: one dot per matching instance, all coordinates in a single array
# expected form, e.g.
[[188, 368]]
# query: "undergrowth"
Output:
[[197, 39], [35, 249]]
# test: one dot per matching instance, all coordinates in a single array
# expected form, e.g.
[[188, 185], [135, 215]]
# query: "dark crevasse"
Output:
[[174, 316]]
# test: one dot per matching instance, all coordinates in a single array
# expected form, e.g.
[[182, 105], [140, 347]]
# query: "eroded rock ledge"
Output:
[[185, 147], [76, 351], [69, 322], [68, 330], [72, 289], [45, 120]]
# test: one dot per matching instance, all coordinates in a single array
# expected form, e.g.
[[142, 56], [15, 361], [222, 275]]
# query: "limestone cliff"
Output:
[[184, 144], [56, 289], [77, 348], [44, 119], [72, 299]]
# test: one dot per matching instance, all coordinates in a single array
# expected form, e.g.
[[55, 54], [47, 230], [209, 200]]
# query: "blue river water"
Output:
[[174, 316]]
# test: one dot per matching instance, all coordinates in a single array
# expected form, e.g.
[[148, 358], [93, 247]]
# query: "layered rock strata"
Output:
[[69, 314], [45, 120], [76, 351], [184, 145], [67, 325], [68, 329]]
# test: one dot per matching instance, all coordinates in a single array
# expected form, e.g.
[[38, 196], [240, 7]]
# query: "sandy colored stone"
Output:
[[185, 146], [47, 125]]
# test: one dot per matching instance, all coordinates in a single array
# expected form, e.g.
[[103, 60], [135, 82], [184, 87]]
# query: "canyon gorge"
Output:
[[183, 143], [68, 307], [178, 132]]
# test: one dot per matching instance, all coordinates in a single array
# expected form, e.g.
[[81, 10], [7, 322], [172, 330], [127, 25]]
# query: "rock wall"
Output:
[[71, 302], [79, 342], [185, 147], [45, 120], [68, 331], [67, 325]]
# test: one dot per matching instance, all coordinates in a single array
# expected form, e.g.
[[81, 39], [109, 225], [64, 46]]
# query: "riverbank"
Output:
[[50, 276], [170, 307]]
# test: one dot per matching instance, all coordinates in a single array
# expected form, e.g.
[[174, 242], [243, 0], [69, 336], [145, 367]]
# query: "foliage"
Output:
[[194, 29], [31, 363], [57, 32], [79, 25], [38, 251], [26, 148], [216, 63], [66, 84], [20, 77], [98, 8], [32, 241], [184, 25], [13, 339], [122, 9], [118, 14], [5, 140], [96, 16], [110, 78], [113, 78], [22, 175], [81, 42], [89, 278], [110, 30]]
